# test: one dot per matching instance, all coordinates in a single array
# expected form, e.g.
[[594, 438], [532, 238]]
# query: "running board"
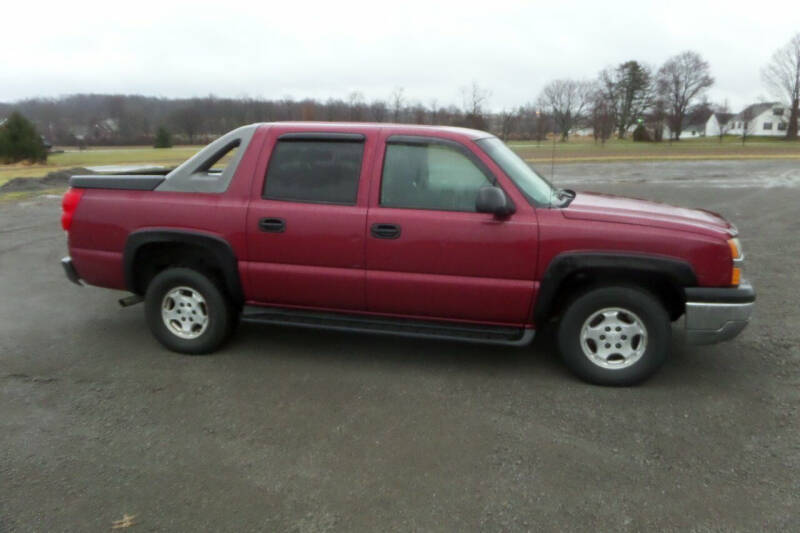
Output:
[[428, 329]]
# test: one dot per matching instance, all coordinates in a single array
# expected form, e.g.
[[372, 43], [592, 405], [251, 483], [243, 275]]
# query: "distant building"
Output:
[[768, 119], [582, 132], [104, 129], [98, 130], [690, 129], [718, 123]]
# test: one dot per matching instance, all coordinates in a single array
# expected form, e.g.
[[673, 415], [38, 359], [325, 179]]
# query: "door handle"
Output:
[[385, 231], [272, 225]]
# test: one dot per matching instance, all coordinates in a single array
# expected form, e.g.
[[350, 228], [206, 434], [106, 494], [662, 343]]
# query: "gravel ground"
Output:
[[290, 430]]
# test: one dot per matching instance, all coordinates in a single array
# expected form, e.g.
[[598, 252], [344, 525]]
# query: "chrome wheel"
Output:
[[613, 338], [184, 312]]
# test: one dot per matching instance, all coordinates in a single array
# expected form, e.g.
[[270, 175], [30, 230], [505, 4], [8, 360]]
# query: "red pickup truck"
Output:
[[412, 230]]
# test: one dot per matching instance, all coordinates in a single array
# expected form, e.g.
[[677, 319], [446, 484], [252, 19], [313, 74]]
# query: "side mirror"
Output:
[[494, 200]]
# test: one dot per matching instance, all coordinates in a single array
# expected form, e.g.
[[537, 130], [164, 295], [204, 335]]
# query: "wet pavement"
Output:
[[293, 430], [719, 174]]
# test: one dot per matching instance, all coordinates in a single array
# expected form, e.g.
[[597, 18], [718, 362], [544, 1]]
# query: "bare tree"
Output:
[[723, 118], [357, 106], [681, 80], [397, 101], [378, 111], [474, 98], [747, 117], [782, 75], [189, 121], [656, 119], [508, 122], [568, 102], [434, 105], [286, 107], [544, 124], [628, 92], [700, 112], [527, 121], [533, 124], [602, 118], [307, 110], [419, 113]]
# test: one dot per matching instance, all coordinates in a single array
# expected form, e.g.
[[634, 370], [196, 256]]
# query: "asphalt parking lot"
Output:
[[292, 430]]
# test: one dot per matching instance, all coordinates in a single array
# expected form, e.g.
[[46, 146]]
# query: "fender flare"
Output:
[[219, 249], [678, 271]]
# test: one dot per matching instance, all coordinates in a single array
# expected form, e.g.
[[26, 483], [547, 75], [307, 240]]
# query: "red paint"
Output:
[[469, 267], [609, 208]]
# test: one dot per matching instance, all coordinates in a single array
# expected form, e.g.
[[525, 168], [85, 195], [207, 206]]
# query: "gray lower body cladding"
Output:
[[717, 314]]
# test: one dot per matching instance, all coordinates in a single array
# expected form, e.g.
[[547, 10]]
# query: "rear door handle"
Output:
[[385, 231], [272, 225]]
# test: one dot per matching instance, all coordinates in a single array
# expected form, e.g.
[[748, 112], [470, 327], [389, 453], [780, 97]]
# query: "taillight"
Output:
[[68, 205]]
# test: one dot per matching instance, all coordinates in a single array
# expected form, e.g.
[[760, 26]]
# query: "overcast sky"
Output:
[[329, 49]]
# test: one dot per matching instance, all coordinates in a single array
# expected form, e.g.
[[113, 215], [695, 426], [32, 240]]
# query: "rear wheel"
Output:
[[614, 335], [187, 311]]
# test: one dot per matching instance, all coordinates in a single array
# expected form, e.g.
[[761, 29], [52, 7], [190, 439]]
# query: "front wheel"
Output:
[[614, 335], [187, 312]]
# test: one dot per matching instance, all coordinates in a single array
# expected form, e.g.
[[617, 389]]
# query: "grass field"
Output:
[[123, 155], [574, 151]]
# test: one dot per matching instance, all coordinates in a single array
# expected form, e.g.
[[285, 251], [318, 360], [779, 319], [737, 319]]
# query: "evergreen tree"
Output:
[[163, 138], [628, 92], [20, 141]]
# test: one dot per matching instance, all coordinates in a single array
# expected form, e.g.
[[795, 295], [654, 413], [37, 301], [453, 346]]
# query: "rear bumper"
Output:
[[69, 270], [717, 314]]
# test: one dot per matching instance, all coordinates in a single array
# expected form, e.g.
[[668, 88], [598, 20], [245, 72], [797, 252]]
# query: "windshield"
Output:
[[533, 186]]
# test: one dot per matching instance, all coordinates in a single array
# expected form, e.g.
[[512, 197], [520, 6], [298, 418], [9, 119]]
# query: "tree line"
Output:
[[631, 98], [630, 95], [634, 98], [101, 119]]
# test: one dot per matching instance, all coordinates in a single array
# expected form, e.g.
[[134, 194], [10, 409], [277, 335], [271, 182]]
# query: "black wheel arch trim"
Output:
[[742, 294], [219, 248], [563, 265]]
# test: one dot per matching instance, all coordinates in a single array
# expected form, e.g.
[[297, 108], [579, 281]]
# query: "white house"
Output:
[[718, 123], [769, 120], [690, 129]]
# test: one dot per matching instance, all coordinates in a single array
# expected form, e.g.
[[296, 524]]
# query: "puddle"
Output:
[[715, 174]]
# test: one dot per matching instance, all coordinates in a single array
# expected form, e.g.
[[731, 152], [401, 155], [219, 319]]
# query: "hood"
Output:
[[609, 208]]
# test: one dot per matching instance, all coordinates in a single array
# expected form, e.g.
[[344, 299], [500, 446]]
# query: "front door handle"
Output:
[[272, 225], [385, 231]]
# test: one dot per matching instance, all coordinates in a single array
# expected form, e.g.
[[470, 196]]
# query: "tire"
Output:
[[626, 339], [187, 312]]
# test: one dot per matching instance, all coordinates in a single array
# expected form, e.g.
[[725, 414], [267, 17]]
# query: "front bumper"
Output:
[[69, 270], [717, 314]]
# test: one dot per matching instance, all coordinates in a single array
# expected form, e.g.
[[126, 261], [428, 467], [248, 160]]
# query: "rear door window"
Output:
[[314, 171]]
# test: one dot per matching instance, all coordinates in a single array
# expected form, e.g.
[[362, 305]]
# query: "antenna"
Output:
[[553, 156]]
